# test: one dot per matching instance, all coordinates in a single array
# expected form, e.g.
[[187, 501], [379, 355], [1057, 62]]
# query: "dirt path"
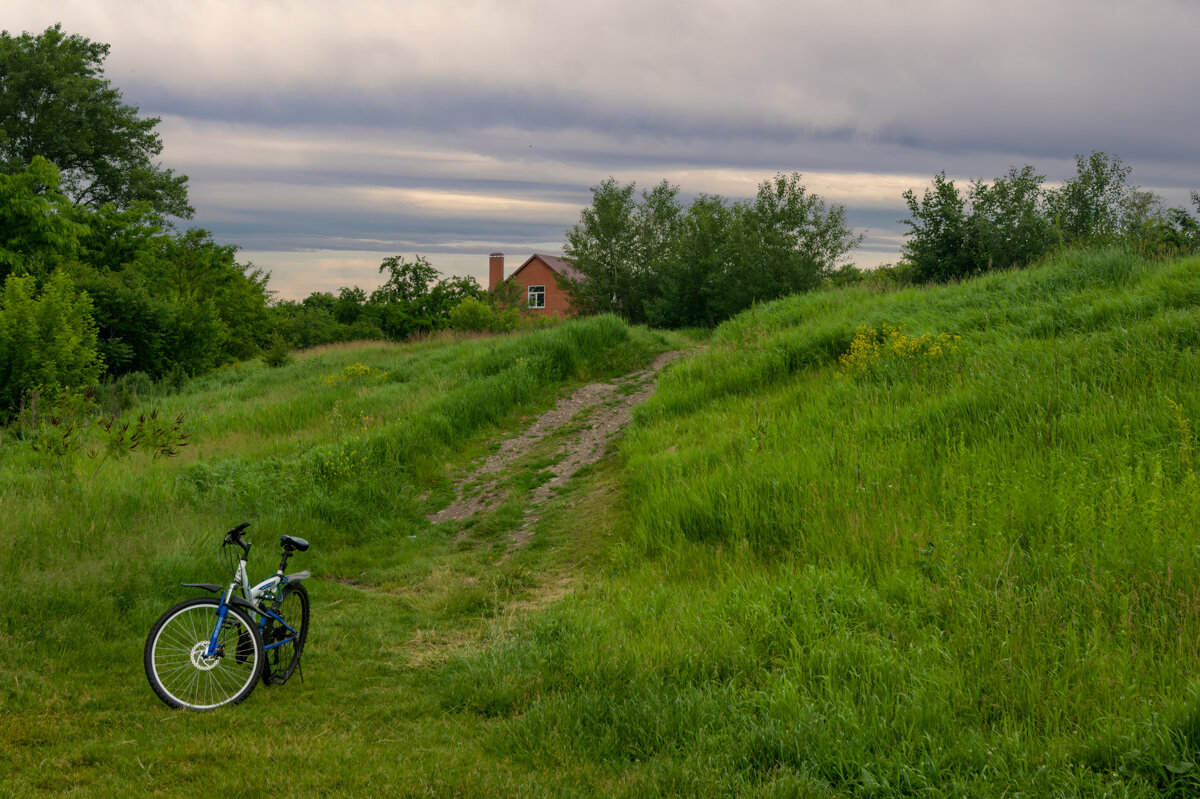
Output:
[[588, 419]]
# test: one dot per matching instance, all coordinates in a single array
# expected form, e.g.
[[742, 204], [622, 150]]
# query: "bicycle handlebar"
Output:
[[234, 536]]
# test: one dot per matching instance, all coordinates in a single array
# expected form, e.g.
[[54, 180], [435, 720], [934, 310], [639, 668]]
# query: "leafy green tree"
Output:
[[603, 247], [1091, 206], [311, 324], [472, 315], [320, 301], [193, 272], [847, 275], [650, 260], [1151, 228], [939, 239], [447, 293], [658, 222], [508, 294], [347, 308], [55, 102], [1008, 222], [415, 298], [37, 231], [47, 341], [793, 240], [152, 288], [705, 264], [116, 238], [135, 329], [407, 282], [1184, 231]]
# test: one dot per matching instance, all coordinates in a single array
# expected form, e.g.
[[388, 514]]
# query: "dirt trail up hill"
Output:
[[588, 420]]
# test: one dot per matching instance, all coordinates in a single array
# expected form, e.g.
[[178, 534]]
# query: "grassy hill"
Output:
[[921, 542], [935, 542]]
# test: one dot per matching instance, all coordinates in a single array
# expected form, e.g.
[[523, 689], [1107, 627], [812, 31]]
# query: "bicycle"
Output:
[[206, 652]]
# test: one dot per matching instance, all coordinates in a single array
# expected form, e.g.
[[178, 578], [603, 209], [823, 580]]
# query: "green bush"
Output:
[[114, 396], [475, 315], [278, 353], [472, 315], [47, 342]]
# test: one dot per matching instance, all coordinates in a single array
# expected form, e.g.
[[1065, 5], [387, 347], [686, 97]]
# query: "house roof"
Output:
[[559, 265]]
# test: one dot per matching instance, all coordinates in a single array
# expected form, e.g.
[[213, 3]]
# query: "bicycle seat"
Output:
[[293, 544]]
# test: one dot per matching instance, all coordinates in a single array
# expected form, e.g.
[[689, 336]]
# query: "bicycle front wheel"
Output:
[[180, 667], [284, 646]]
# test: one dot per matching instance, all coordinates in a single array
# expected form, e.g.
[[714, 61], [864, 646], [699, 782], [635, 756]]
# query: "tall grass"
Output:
[[931, 542], [963, 572], [349, 447]]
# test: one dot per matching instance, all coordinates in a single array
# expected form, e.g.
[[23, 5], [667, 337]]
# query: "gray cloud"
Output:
[[440, 126]]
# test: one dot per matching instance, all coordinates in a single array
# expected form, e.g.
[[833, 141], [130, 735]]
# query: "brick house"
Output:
[[537, 279]]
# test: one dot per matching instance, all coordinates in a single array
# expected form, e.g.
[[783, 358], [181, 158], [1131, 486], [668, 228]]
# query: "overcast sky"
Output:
[[322, 137]]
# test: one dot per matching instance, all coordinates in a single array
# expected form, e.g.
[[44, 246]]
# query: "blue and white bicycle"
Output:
[[208, 652]]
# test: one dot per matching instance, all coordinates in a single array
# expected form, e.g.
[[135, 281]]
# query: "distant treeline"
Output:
[[1015, 220], [92, 294], [653, 260]]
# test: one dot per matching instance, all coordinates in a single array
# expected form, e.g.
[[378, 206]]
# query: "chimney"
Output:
[[495, 270]]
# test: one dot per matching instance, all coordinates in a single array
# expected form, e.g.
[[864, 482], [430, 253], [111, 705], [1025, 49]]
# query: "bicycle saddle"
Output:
[[293, 544]]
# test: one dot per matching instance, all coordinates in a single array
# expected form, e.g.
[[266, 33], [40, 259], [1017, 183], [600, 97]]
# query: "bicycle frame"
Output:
[[252, 599]]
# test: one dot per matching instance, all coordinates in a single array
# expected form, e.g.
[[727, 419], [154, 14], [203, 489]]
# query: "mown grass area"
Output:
[[935, 542], [350, 447]]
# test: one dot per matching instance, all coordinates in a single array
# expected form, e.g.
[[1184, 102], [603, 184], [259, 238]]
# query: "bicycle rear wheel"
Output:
[[175, 661], [284, 646]]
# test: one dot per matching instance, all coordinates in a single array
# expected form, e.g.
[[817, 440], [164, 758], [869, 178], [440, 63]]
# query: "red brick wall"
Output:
[[538, 274]]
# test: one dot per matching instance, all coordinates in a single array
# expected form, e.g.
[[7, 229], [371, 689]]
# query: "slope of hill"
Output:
[[935, 542]]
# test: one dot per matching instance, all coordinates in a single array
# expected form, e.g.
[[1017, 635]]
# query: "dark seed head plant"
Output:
[[75, 427]]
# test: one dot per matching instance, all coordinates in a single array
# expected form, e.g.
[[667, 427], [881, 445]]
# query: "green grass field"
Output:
[[931, 542]]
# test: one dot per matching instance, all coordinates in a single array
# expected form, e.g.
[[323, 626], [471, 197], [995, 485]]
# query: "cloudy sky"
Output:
[[322, 137]]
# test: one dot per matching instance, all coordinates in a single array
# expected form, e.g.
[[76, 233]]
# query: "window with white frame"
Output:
[[537, 296]]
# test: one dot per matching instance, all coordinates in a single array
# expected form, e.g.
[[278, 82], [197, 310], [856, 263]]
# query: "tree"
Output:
[[622, 246], [1009, 226], [938, 246], [649, 260], [603, 247], [348, 305], [415, 298], [167, 301], [509, 295], [997, 225], [1154, 229], [449, 292], [692, 283], [55, 102], [1090, 206], [37, 233], [793, 239], [200, 276], [407, 282], [658, 221]]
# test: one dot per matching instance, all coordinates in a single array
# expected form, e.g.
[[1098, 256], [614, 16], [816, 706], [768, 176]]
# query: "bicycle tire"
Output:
[[282, 660], [174, 658]]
